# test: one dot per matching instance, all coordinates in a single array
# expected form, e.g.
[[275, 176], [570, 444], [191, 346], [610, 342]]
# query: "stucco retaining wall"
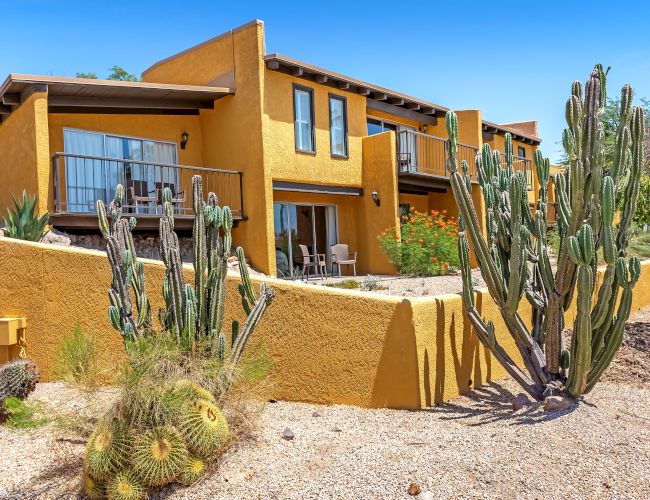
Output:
[[327, 345]]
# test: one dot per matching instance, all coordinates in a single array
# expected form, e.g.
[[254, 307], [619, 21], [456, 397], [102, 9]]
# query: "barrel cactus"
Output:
[[18, 378], [159, 455], [125, 486], [107, 449], [203, 427], [192, 471], [513, 255]]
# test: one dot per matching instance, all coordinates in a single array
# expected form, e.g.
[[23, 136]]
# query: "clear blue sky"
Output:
[[513, 60]]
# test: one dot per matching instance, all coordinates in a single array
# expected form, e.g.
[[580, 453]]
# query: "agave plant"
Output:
[[513, 255], [23, 222]]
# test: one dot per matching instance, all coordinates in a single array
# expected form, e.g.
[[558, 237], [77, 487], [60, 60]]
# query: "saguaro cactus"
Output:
[[513, 255], [194, 316]]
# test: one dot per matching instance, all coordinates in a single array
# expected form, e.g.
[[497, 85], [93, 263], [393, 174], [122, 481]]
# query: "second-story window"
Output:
[[338, 126], [303, 109], [521, 152]]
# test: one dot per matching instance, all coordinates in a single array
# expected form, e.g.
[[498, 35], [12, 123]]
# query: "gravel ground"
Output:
[[474, 446], [405, 286]]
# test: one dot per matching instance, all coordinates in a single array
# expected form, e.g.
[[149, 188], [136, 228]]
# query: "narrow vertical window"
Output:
[[338, 126], [303, 108]]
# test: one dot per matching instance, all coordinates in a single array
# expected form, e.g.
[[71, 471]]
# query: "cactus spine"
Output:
[[513, 255], [193, 315]]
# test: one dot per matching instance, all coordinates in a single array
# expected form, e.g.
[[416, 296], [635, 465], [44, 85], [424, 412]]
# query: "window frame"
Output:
[[344, 101], [310, 91], [519, 150]]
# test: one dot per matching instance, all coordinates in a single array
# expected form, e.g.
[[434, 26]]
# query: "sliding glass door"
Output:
[[300, 230], [88, 180]]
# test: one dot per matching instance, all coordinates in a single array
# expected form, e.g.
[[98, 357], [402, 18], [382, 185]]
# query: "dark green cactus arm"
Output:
[[199, 252], [267, 294], [245, 277]]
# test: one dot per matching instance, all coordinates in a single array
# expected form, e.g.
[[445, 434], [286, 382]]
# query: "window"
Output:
[[338, 126], [303, 109], [88, 180], [378, 126], [521, 152]]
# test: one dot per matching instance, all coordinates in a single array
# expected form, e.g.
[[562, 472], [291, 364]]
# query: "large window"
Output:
[[303, 109], [338, 126], [91, 179]]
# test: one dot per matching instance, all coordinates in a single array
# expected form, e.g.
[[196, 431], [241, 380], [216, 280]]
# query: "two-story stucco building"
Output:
[[303, 155]]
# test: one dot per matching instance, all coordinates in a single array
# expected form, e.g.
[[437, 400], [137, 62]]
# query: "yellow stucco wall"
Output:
[[326, 345], [232, 132], [281, 157], [24, 158]]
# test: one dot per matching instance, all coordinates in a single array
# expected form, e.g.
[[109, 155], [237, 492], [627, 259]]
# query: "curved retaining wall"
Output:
[[326, 345]]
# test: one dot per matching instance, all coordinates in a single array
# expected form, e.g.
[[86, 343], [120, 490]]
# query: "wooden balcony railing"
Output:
[[426, 154], [80, 180], [521, 164]]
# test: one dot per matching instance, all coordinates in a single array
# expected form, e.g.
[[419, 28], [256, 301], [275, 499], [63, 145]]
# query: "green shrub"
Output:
[[75, 361], [23, 222], [20, 414], [426, 245], [345, 284]]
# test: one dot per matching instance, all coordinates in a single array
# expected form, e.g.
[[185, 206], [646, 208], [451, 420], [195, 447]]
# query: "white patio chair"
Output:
[[315, 261], [342, 257]]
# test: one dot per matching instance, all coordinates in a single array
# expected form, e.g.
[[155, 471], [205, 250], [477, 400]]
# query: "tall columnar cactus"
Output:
[[513, 255], [194, 315]]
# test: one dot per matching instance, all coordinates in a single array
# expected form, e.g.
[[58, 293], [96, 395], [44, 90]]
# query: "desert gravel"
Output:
[[472, 447]]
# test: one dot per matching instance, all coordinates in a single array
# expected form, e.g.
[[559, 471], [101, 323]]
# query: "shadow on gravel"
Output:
[[490, 403]]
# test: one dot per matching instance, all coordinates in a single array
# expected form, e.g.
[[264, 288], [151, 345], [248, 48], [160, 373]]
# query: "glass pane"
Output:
[[374, 127], [282, 239], [301, 221], [303, 120], [84, 178], [305, 142], [337, 126]]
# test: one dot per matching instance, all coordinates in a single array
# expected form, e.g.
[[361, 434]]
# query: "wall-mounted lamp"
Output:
[[184, 137], [375, 198], [424, 129]]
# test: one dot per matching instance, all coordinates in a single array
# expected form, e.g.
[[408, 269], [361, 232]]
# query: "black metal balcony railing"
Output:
[[521, 164], [426, 154], [80, 180]]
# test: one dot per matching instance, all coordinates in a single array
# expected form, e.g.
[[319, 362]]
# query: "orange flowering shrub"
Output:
[[427, 245]]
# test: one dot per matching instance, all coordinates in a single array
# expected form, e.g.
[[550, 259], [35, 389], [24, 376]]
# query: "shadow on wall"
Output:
[[397, 382]]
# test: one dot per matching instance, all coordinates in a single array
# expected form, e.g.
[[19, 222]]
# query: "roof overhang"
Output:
[[84, 95], [301, 187], [493, 128], [322, 76]]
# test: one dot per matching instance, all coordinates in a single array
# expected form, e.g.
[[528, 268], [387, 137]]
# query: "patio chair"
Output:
[[315, 261], [342, 257], [178, 199], [139, 193]]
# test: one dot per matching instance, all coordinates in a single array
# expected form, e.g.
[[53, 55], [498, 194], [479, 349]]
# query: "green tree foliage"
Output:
[[117, 73], [642, 214]]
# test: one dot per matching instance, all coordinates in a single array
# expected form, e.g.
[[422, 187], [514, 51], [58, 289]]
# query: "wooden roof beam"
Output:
[[397, 101], [5, 110], [413, 106], [273, 64], [297, 72], [343, 85], [379, 96], [320, 78], [11, 99], [122, 102], [364, 91]]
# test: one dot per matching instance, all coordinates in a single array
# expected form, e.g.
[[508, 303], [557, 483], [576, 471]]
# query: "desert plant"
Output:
[[22, 222], [192, 471], [107, 449], [125, 486], [20, 414], [194, 315], [93, 488], [18, 378], [159, 455], [425, 246], [513, 255], [642, 213], [203, 427], [370, 283], [75, 361]]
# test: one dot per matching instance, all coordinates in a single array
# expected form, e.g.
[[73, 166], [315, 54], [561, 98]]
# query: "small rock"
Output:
[[414, 489], [555, 403], [315, 414], [288, 434], [427, 495], [337, 429], [520, 401]]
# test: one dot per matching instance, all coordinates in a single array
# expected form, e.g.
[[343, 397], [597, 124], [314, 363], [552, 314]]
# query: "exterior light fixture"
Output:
[[375, 198], [184, 137], [424, 129]]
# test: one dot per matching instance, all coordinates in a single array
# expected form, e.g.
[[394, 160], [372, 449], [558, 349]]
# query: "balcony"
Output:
[[80, 180], [422, 161]]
